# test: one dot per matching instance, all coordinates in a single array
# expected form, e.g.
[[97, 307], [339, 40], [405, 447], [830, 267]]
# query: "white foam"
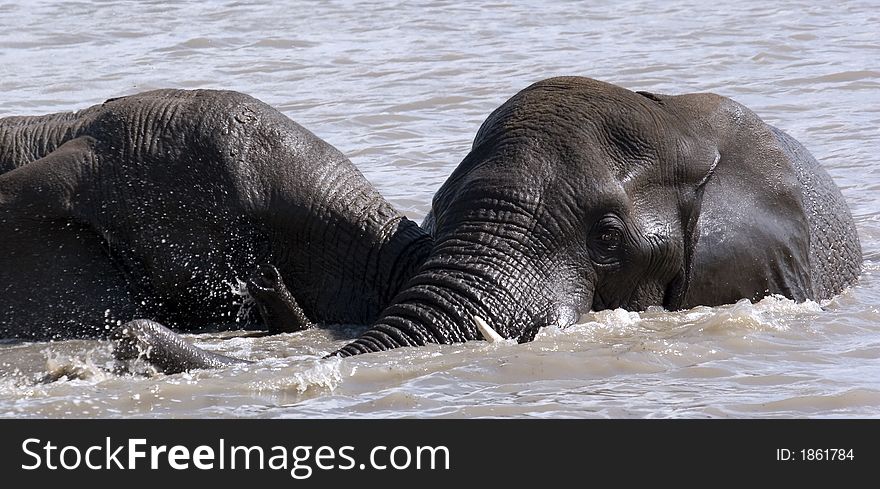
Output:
[[302, 376], [772, 313], [93, 365]]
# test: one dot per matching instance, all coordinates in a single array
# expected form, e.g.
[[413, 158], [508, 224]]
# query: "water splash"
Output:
[[772, 313], [93, 365], [239, 289], [304, 376]]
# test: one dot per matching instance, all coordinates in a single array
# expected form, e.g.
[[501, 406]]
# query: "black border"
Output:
[[492, 452]]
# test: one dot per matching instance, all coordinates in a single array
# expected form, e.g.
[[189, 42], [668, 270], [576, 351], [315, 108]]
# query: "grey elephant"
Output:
[[579, 195], [160, 205]]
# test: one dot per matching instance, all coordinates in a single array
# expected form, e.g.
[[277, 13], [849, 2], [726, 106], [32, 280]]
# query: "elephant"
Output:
[[578, 195], [180, 205]]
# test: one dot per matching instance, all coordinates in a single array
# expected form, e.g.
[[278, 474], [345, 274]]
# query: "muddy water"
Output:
[[402, 89]]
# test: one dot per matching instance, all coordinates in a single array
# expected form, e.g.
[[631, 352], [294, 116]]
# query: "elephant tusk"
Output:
[[488, 333]]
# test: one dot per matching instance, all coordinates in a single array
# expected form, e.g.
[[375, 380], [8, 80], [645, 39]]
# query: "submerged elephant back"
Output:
[[835, 251]]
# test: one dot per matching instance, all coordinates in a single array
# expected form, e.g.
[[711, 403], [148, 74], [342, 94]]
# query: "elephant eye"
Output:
[[608, 239], [608, 230], [610, 236]]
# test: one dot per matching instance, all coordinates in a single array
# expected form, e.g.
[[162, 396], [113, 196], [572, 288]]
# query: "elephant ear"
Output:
[[749, 232]]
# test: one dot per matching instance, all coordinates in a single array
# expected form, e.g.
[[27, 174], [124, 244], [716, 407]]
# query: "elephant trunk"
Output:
[[453, 295], [423, 313]]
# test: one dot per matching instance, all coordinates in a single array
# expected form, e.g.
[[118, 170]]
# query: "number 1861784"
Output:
[[815, 454]]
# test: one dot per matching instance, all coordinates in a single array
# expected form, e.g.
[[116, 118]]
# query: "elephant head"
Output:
[[578, 195]]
